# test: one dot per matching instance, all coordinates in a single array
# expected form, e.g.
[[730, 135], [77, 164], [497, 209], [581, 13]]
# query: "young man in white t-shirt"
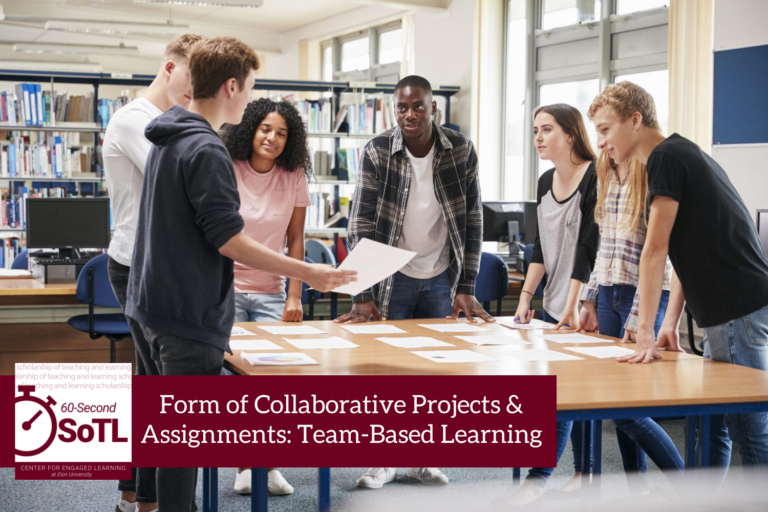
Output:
[[125, 151]]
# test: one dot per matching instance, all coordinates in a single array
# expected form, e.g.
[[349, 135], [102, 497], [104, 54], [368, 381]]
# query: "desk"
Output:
[[678, 385], [30, 292]]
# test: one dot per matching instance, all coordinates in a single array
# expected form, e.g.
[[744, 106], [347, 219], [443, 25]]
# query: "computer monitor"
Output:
[[67, 224], [762, 228], [498, 214]]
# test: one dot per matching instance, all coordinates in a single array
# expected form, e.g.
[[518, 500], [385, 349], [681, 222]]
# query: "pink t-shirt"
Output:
[[267, 201]]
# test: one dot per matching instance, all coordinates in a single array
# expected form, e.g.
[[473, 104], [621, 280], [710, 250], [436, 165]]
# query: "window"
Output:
[[327, 63], [390, 46], [560, 13], [657, 84], [355, 55], [574, 52], [577, 94], [630, 6]]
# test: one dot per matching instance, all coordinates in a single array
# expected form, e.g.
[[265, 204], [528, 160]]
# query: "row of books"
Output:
[[317, 115], [29, 105], [12, 208], [371, 115], [52, 159], [107, 108], [44, 137], [10, 247], [324, 211]]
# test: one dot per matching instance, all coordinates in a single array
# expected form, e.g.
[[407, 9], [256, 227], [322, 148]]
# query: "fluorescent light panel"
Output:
[[251, 4], [117, 27], [80, 49]]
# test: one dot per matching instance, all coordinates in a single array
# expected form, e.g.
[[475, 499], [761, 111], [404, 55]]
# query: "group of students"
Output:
[[203, 218]]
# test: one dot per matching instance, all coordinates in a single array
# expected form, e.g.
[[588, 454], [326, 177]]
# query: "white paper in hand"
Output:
[[373, 262]]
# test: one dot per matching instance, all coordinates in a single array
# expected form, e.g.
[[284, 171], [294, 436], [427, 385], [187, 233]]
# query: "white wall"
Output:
[[739, 24]]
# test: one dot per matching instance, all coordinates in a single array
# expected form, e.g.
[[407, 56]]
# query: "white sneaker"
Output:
[[243, 482], [126, 506], [375, 478], [429, 476], [277, 485]]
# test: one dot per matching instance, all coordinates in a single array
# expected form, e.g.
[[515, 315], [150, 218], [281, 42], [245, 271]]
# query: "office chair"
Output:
[[93, 288], [492, 281], [319, 252], [696, 350], [21, 261]]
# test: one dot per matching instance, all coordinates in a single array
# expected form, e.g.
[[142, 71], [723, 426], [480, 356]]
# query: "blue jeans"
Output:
[[636, 436], [743, 341], [259, 307], [420, 298]]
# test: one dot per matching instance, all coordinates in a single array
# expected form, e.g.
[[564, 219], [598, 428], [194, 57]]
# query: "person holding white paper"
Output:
[[418, 189]]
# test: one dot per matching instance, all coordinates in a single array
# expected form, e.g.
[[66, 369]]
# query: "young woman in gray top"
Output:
[[567, 239]]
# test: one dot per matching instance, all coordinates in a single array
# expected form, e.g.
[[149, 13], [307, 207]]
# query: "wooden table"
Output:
[[30, 292], [593, 389]]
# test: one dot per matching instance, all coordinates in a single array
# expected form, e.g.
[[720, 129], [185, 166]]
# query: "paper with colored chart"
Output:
[[372, 329], [602, 352], [493, 340], [287, 359], [453, 356], [239, 331], [374, 262], [415, 342], [320, 343], [291, 329], [253, 345]]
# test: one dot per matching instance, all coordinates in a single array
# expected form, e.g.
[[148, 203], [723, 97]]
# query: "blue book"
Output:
[[12, 159], [31, 96], [39, 103]]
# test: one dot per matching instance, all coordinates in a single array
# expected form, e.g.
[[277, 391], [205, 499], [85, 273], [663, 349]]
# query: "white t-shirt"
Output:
[[424, 230], [125, 150]]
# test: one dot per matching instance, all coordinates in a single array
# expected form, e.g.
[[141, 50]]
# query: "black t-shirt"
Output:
[[714, 245]]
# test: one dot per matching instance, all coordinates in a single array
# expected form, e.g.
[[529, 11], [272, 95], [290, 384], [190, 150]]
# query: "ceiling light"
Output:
[[75, 49], [117, 27], [252, 4]]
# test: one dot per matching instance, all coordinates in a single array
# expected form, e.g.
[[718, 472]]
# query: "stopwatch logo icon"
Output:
[[35, 423]]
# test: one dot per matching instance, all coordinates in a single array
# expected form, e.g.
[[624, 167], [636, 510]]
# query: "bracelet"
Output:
[[525, 291]]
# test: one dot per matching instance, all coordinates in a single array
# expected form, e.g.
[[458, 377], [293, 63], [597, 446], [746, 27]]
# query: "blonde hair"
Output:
[[181, 46], [635, 203], [627, 98]]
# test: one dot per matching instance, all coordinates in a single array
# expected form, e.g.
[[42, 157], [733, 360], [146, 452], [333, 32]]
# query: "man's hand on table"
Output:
[[467, 304], [645, 351], [361, 313]]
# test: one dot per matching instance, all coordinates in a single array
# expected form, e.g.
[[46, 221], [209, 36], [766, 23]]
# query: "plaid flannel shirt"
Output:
[[381, 195], [618, 260]]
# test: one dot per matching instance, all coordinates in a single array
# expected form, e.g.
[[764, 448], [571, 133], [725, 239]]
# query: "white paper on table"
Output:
[[7, 272], [253, 345], [494, 340], [373, 262], [239, 331], [291, 329], [455, 327], [575, 338], [372, 329], [509, 321], [319, 343], [452, 356], [602, 352], [286, 359], [537, 355], [415, 342]]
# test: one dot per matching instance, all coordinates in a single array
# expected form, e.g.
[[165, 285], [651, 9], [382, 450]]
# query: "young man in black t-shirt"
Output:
[[699, 220]]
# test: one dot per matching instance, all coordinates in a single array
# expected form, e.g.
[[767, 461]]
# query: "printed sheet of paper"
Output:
[[253, 345], [374, 262], [7, 273], [320, 343], [291, 329], [453, 356], [537, 355], [509, 321], [372, 329], [454, 327], [493, 340], [575, 338], [602, 352], [415, 342], [239, 331], [287, 359]]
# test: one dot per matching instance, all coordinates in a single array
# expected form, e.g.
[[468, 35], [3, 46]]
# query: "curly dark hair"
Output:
[[239, 138]]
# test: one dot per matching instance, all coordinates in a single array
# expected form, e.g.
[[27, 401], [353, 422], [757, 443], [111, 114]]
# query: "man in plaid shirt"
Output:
[[418, 189]]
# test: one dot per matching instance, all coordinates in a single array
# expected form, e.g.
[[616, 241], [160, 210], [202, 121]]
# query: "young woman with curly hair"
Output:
[[272, 166]]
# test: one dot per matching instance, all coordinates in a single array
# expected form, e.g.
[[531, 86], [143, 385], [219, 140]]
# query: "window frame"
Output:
[[374, 69]]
